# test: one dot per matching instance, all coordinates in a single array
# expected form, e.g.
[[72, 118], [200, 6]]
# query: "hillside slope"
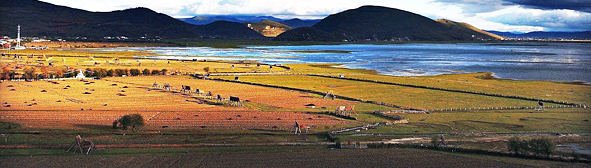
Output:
[[43, 19], [467, 28], [268, 28], [297, 23], [377, 23]]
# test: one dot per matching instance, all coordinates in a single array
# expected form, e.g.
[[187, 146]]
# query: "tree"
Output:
[[155, 72], [514, 145], [120, 72], [88, 73], [164, 71], [29, 73], [100, 72], [134, 72], [133, 121], [546, 146], [206, 69], [60, 73], [44, 72], [535, 146], [146, 72], [5, 73], [111, 73], [435, 141]]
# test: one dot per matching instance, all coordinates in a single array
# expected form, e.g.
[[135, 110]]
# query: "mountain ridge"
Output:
[[378, 23], [39, 18]]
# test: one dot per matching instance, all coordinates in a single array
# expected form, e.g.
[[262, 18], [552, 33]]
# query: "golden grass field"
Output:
[[41, 103], [180, 111]]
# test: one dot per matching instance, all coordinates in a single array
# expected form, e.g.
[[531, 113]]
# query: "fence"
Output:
[[451, 90], [314, 92]]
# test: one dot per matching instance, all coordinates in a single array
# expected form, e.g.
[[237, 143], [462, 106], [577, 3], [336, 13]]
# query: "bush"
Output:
[[155, 72], [29, 73], [120, 72], [146, 72], [111, 72], [514, 145], [536, 146], [134, 72], [435, 141], [164, 71], [133, 121]]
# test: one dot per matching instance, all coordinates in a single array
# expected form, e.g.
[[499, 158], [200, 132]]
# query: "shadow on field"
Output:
[[94, 126]]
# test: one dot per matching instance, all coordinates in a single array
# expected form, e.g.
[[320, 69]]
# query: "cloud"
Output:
[[471, 7], [551, 20], [503, 15], [577, 5]]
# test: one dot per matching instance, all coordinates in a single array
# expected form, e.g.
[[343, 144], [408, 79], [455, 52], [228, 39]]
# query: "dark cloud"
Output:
[[578, 5]]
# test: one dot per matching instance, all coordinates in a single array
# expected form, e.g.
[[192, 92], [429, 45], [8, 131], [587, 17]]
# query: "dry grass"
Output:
[[63, 107], [399, 95]]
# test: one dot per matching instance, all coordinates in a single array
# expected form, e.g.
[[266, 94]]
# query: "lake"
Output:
[[521, 61]]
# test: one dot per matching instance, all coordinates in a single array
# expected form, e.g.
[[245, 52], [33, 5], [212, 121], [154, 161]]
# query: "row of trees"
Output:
[[100, 72], [536, 146], [31, 73]]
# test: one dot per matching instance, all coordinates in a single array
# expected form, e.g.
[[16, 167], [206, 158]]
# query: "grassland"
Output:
[[46, 113], [399, 95]]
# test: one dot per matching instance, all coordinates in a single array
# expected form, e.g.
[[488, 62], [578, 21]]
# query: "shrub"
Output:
[[120, 72], [146, 72], [536, 146], [29, 73], [155, 72], [164, 71], [514, 145], [134, 72], [133, 121], [111, 72], [435, 141]]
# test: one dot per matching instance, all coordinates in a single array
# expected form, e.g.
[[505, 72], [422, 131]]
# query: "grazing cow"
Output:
[[186, 89], [235, 101], [298, 128], [540, 105]]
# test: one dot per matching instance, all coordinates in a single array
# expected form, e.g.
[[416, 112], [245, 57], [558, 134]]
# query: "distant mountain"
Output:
[[296, 23], [268, 28], [382, 23], [547, 35], [43, 19], [227, 30], [207, 19]]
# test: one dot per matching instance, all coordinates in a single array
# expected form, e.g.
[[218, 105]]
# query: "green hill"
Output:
[[377, 23]]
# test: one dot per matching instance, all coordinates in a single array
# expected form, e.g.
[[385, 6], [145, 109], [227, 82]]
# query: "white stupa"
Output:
[[18, 40], [80, 74]]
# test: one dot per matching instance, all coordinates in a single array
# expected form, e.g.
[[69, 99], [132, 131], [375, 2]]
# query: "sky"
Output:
[[501, 15]]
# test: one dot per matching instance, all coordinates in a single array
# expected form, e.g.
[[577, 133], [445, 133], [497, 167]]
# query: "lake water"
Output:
[[522, 61]]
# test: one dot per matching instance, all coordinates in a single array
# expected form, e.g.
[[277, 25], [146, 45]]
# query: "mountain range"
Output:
[[206, 19], [38, 18], [546, 35]]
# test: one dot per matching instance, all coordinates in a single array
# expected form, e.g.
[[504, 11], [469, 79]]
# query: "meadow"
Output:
[[47, 114]]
